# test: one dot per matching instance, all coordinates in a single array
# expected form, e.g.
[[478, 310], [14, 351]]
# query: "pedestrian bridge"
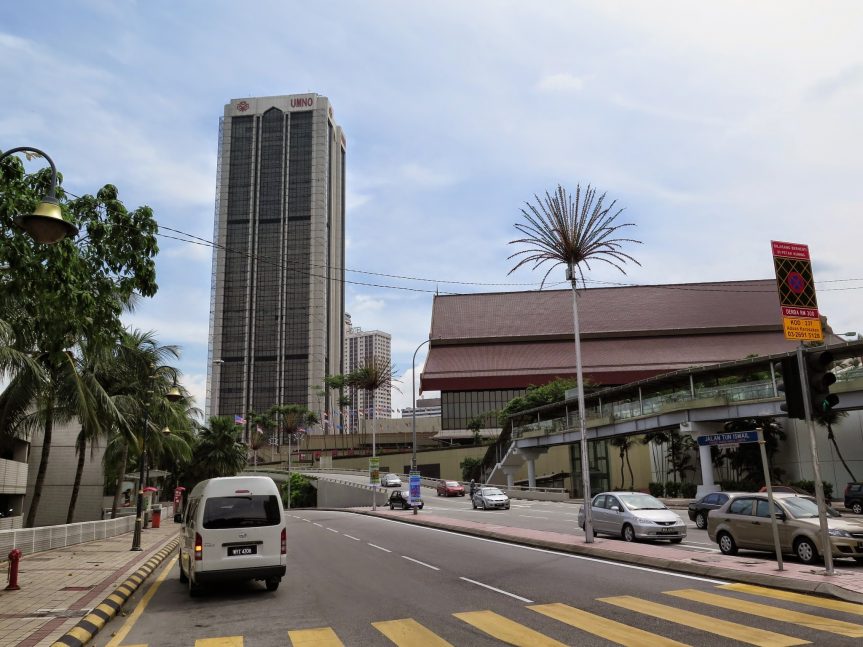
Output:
[[702, 397]]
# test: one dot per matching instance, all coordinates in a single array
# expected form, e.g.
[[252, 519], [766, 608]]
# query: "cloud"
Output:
[[560, 83]]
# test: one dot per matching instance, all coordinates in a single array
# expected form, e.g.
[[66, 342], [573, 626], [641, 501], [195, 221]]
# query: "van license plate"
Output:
[[242, 550]]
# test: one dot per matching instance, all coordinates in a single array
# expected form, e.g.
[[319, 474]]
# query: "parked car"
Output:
[[402, 499], [450, 488], [699, 509], [744, 522], [490, 497], [391, 480], [854, 497], [786, 489], [633, 515]]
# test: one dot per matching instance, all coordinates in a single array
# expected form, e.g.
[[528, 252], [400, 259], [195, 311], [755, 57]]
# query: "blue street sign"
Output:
[[414, 480], [729, 438]]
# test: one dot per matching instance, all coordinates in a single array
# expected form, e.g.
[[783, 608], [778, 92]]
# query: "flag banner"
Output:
[[239, 420]]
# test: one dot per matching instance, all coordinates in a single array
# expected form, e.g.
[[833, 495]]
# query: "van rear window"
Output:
[[242, 511]]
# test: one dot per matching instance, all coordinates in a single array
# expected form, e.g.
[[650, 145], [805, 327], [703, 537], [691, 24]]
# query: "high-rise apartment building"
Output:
[[360, 346], [277, 298]]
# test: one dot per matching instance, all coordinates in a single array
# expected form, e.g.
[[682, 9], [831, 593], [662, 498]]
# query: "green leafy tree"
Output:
[[56, 297], [537, 396], [623, 444], [828, 419], [471, 469], [746, 459], [219, 450], [373, 374]]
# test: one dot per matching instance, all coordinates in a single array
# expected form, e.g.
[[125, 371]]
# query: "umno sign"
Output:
[[796, 286]]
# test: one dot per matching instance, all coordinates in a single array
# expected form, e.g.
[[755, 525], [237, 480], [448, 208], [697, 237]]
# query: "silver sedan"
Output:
[[634, 515]]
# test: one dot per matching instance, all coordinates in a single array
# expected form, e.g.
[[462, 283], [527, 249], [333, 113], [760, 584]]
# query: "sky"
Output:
[[717, 127]]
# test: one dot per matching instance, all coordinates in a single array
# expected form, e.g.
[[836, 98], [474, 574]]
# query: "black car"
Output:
[[699, 509], [402, 499], [854, 497]]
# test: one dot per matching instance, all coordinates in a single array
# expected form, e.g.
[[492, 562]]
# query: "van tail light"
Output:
[[199, 547], [284, 541]]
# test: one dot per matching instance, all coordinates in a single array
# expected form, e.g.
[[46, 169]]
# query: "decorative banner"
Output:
[[796, 286], [414, 481], [374, 470]]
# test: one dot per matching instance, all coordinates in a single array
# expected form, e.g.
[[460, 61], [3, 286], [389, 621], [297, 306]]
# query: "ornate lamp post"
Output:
[[172, 395], [45, 225], [414, 410]]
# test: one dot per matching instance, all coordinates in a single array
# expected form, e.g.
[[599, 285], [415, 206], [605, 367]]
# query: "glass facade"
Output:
[[459, 407]]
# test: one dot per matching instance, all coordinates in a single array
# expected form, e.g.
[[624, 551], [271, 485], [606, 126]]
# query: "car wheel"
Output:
[[859, 560], [392, 507], [857, 507], [677, 540], [194, 589], [474, 504], [421, 505], [272, 583], [482, 504], [701, 520], [628, 533], [727, 544], [805, 551], [183, 578]]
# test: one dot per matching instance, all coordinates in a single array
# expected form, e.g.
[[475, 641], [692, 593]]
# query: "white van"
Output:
[[233, 529]]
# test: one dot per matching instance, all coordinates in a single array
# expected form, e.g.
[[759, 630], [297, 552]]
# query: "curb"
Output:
[[92, 623], [706, 570]]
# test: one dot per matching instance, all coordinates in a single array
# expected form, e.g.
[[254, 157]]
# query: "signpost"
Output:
[[414, 481], [754, 436], [802, 322], [374, 478]]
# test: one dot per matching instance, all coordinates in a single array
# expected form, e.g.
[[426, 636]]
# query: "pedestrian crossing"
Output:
[[755, 603]]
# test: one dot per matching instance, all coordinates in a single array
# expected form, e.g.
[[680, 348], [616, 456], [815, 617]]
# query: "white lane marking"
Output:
[[530, 516], [558, 553], [317, 524], [694, 547], [512, 595], [411, 559], [386, 550], [333, 530], [352, 537]]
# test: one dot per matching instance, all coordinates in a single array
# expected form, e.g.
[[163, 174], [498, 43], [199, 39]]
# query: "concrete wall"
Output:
[[340, 495]]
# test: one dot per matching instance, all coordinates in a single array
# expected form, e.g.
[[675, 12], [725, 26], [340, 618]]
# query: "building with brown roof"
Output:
[[487, 348]]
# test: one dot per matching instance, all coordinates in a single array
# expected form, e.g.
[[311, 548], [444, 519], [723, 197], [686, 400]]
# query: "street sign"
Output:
[[375, 470], [414, 481], [796, 285], [732, 437]]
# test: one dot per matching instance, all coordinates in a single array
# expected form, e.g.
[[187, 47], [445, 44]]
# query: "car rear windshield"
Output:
[[242, 511]]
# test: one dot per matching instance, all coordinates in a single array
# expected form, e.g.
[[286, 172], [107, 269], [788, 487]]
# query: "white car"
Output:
[[489, 498], [391, 480]]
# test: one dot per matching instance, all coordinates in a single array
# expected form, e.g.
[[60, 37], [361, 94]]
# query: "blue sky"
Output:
[[718, 126]]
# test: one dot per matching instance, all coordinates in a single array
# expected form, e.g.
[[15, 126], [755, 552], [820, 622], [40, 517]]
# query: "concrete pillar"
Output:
[[530, 455], [531, 473], [697, 429], [510, 473]]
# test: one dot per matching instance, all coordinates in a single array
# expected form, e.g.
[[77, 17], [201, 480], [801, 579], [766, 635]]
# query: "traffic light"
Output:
[[790, 386], [820, 379]]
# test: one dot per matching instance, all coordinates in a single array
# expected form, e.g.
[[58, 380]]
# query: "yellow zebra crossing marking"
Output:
[[410, 633], [611, 630], [839, 627], [226, 641], [732, 630], [509, 631], [801, 598], [320, 637]]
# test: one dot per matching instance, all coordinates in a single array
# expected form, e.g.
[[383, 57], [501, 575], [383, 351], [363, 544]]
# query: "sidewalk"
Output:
[[60, 587], [68, 593]]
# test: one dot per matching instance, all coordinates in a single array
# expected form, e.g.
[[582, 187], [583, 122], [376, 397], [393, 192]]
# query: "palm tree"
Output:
[[828, 419], [623, 443], [560, 230], [373, 374], [219, 450]]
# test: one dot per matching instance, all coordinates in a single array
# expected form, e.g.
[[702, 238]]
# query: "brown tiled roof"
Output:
[[513, 339]]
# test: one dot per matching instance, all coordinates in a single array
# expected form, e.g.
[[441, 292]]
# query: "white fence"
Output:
[[34, 540]]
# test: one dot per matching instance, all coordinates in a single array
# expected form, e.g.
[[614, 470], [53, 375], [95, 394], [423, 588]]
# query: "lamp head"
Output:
[[46, 225], [173, 394], [166, 430]]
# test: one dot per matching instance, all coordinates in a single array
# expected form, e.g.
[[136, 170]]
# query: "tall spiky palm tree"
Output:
[[373, 374], [220, 450], [562, 230], [828, 419]]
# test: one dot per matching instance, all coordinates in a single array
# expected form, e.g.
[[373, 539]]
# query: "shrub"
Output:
[[672, 489], [656, 489], [303, 493], [688, 490]]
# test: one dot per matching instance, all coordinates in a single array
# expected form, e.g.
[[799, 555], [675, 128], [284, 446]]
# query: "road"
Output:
[[359, 580]]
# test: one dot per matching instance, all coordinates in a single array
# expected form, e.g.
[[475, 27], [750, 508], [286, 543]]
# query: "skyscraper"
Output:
[[277, 295]]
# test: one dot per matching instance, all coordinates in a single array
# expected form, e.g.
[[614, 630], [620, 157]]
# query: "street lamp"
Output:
[[172, 395], [45, 225], [414, 409]]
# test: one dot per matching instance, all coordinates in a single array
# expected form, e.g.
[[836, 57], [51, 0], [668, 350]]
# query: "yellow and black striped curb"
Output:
[[92, 623]]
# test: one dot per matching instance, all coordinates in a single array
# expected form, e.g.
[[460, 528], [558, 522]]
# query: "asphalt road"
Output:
[[359, 579]]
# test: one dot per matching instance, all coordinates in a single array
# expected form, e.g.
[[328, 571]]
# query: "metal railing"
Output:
[[35, 540]]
